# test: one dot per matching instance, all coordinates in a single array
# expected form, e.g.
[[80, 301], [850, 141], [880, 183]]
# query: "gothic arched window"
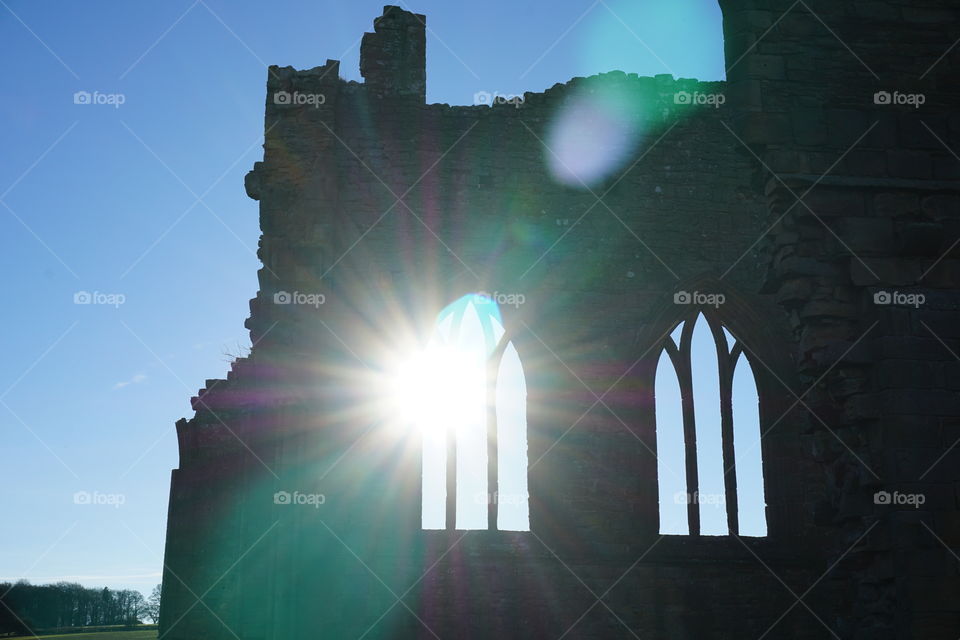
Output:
[[475, 453], [709, 468]]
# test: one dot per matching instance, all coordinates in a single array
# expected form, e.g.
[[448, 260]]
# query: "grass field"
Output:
[[107, 635]]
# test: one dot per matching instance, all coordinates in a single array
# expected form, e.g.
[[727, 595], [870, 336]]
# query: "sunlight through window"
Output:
[[444, 391]]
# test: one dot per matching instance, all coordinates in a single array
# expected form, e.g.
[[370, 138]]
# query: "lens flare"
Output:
[[593, 133], [683, 38]]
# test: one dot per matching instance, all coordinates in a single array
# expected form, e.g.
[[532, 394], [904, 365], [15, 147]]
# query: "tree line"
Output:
[[25, 607]]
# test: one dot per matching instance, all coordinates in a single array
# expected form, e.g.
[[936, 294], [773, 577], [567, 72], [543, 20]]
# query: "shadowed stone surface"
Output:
[[811, 203]]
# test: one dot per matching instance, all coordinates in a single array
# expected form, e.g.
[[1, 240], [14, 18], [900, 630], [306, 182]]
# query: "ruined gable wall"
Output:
[[797, 99]]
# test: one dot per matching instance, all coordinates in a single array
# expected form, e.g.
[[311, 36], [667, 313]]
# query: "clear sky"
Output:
[[143, 204]]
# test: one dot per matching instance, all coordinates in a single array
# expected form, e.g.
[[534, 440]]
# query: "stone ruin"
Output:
[[819, 199]]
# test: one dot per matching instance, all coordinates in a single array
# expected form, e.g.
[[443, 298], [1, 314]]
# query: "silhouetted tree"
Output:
[[153, 604], [10, 622], [25, 607]]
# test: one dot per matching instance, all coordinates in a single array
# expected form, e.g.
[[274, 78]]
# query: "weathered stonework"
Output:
[[861, 397]]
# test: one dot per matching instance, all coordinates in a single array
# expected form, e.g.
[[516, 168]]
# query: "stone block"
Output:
[[767, 67], [909, 164]]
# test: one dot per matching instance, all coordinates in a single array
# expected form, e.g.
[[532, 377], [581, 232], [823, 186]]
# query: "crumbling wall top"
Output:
[[393, 59]]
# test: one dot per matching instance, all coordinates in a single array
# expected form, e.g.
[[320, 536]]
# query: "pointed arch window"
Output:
[[474, 460], [709, 469]]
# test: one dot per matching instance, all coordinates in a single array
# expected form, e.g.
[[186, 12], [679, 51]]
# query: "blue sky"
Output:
[[143, 203]]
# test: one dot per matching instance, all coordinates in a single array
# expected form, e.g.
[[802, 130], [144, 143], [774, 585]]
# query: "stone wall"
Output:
[[386, 209], [877, 181]]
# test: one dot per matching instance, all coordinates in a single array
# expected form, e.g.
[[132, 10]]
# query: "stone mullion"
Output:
[[685, 378], [726, 365]]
